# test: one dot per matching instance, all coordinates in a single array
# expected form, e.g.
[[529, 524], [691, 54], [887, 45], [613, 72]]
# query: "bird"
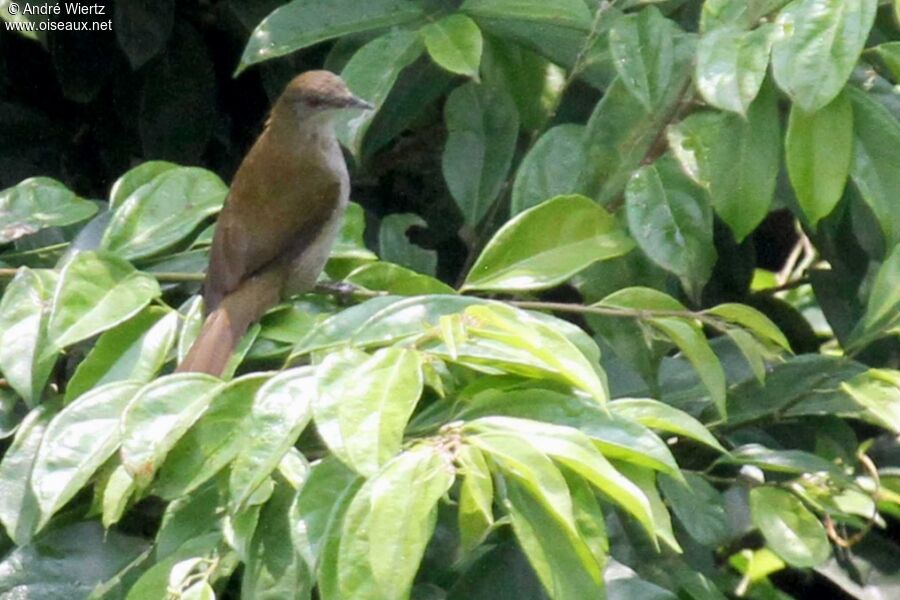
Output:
[[280, 218]]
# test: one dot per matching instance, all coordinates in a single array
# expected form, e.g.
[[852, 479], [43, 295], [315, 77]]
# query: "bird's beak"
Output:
[[357, 102]]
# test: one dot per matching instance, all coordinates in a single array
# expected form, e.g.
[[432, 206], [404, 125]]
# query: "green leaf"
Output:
[[736, 13], [731, 66], [889, 53], [363, 404], [699, 507], [616, 437], [657, 415], [571, 14], [553, 352], [876, 152], [318, 508], [191, 323], [371, 74], [26, 354], [483, 125], [573, 449], [683, 332], [395, 246], [136, 178], [820, 44], [213, 442], [559, 556], [752, 350], [819, 151], [389, 523], [19, 510], [455, 43], [39, 203], [281, 411], [753, 152], [645, 480], [76, 443], [548, 244], [548, 168], [164, 211], [621, 133], [96, 292], [71, 561], [381, 321], [394, 279], [117, 491], [878, 390], [752, 320], [159, 416], [476, 498], [795, 462], [134, 350], [350, 242], [301, 23], [791, 530], [274, 568], [671, 221], [643, 50]]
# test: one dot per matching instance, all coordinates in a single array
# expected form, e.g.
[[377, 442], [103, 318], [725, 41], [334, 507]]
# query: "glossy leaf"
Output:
[[820, 44], [349, 242], [476, 498], [791, 530], [819, 151], [878, 390], [134, 350], [395, 246], [274, 568], [77, 442], [551, 168], [671, 221], [483, 125], [643, 50], [281, 411], [752, 320], [736, 159], [547, 244], [394, 279], [164, 211], [731, 66], [876, 150], [554, 352], [382, 321], [621, 132], [19, 509], [363, 404], [455, 44], [389, 523], [661, 416], [159, 416], [213, 442], [38, 203], [560, 557], [699, 507], [26, 354], [372, 71], [571, 14], [135, 178], [318, 507], [96, 292], [573, 449], [616, 437], [301, 23]]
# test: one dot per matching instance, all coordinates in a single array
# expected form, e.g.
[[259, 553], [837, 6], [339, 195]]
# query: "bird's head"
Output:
[[318, 93]]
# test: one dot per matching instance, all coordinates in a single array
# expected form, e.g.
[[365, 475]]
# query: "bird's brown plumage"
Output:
[[280, 218]]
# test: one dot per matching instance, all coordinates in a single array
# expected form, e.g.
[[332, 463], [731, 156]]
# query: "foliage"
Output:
[[618, 388]]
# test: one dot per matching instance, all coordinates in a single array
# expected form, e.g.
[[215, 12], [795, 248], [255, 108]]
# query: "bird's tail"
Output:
[[226, 325]]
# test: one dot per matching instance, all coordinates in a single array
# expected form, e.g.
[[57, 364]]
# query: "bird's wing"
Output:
[[272, 214]]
